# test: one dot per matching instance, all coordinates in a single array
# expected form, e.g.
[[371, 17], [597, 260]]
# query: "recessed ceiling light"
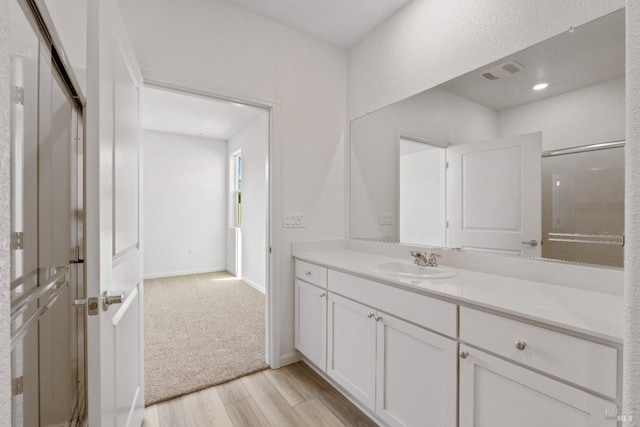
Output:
[[540, 86]]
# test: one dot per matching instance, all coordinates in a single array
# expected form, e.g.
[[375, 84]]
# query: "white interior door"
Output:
[[494, 195], [113, 233]]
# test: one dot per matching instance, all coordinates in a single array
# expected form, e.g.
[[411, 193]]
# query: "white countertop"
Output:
[[592, 313]]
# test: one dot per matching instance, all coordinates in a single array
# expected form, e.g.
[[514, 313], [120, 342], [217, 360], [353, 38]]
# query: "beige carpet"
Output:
[[200, 330]]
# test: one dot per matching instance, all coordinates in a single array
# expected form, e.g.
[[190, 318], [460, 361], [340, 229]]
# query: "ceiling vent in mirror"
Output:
[[501, 71]]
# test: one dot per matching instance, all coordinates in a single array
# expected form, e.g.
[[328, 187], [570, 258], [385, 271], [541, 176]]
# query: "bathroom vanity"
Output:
[[473, 349]]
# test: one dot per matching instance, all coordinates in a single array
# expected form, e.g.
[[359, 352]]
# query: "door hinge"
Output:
[[17, 95], [270, 250], [446, 224], [17, 241], [17, 386], [446, 165]]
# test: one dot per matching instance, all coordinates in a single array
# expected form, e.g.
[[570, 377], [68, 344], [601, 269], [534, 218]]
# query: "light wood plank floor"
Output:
[[291, 396]]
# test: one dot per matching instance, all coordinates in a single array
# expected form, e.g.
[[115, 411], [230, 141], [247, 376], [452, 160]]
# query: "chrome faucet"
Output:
[[422, 260]]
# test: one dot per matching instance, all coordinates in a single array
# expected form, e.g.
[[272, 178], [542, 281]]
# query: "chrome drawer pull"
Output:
[[463, 354], [520, 345]]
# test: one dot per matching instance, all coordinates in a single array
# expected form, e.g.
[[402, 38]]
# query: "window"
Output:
[[236, 162]]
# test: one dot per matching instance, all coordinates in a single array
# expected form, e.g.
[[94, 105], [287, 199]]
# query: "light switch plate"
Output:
[[385, 218], [294, 220]]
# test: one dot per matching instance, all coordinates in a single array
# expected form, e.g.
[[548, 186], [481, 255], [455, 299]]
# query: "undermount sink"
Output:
[[405, 269]]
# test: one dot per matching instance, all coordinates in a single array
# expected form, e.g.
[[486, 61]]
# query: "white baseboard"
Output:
[[290, 358], [184, 273], [253, 284]]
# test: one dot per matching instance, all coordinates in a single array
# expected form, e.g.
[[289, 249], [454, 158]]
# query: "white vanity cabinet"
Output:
[[351, 347], [414, 360], [495, 392], [311, 313], [402, 372], [505, 391], [416, 372]]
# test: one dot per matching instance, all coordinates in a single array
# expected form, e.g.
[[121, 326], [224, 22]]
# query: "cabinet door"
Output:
[[351, 355], [497, 393], [311, 323], [416, 375]]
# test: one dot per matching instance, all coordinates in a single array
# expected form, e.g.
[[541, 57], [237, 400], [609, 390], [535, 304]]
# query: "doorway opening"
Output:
[[205, 237]]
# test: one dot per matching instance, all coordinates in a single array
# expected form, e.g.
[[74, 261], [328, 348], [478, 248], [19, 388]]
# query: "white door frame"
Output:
[[272, 335]]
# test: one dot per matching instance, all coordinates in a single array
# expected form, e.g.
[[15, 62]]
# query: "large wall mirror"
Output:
[[524, 156]]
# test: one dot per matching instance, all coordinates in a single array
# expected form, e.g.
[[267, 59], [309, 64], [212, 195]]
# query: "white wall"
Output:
[[589, 115], [253, 140], [631, 371], [185, 183], [5, 337], [429, 42], [215, 46]]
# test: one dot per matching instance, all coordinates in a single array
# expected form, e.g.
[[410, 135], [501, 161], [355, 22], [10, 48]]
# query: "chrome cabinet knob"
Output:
[[532, 243], [463, 354], [109, 299], [322, 295], [307, 273], [370, 314], [378, 318], [520, 345]]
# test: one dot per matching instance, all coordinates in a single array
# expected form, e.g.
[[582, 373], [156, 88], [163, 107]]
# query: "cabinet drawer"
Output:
[[311, 273], [431, 313], [585, 363]]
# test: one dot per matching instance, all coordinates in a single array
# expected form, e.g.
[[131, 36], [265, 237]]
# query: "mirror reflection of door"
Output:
[[494, 195], [422, 192]]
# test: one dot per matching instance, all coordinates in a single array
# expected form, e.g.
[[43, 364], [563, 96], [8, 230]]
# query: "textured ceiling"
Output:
[[590, 54], [340, 22], [167, 111]]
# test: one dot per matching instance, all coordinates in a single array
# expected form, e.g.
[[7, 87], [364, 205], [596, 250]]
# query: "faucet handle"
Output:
[[415, 253], [433, 254]]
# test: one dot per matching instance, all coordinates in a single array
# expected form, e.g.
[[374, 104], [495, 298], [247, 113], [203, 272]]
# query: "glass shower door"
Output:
[[47, 332]]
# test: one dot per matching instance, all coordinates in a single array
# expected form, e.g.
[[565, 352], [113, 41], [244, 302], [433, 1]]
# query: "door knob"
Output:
[[109, 299], [532, 243]]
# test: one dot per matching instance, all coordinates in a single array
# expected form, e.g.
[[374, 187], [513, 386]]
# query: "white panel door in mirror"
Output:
[[494, 195]]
